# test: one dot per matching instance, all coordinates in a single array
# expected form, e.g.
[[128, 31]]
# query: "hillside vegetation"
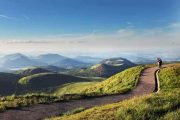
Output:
[[32, 71], [8, 83], [73, 88], [45, 81], [119, 83], [126, 79], [105, 68], [157, 106]]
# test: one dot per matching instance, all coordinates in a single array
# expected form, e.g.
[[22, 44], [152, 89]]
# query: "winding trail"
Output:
[[145, 86]]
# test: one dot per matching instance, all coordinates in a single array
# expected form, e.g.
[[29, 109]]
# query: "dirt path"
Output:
[[145, 85]]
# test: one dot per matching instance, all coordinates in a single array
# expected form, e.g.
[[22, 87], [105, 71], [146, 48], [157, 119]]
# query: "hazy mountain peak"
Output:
[[14, 56], [50, 55], [116, 61]]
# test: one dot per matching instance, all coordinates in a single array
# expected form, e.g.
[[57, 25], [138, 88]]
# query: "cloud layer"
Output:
[[129, 39]]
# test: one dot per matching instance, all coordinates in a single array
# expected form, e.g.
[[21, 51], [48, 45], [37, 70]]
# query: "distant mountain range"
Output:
[[50, 58], [143, 60], [88, 59], [150, 59], [18, 61]]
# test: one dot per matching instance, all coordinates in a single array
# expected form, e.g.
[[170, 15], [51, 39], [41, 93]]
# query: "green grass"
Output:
[[31, 70], [83, 72], [25, 100], [122, 82], [163, 105], [74, 111], [94, 79], [119, 83], [8, 83], [175, 115], [44, 82], [99, 70], [170, 77], [73, 88], [150, 107], [13, 101]]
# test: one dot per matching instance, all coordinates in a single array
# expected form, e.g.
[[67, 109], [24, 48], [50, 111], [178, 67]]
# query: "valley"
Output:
[[89, 60], [64, 89]]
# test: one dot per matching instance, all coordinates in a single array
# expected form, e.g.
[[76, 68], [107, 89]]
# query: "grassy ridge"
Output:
[[73, 88], [170, 77], [31, 71], [13, 101], [8, 83], [162, 105], [25, 100], [45, 81], [119, 83], [83, 89]]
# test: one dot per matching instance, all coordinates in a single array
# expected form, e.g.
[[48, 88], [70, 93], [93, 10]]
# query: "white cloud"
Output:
[[130, 39], [5, 17], [24, 17]]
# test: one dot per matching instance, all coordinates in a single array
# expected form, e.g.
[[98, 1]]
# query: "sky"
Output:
[[90, 27]]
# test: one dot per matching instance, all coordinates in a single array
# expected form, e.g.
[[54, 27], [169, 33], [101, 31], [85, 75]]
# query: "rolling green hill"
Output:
[[119, 83], [45, 81], [32, 71], [8, 83], [122, 82], [156, 106], [73, 88], [106, 68]]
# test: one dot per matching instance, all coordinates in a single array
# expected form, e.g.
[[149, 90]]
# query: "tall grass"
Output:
[[119, 83], [25, 100], [164, 105]]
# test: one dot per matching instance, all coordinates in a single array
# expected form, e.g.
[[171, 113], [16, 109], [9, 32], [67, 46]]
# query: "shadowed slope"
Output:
[[145, 86]]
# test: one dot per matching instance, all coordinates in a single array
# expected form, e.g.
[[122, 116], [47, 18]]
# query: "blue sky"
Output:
[[45, 20], [39, 17]]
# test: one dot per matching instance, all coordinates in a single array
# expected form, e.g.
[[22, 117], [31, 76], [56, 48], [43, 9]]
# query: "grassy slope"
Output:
[[8, 83], [162, 105], [45, 81], [73, 88], [99, 70], [171, 77], [31, 71], [26, 100], [18, 101], [119, 83], [105, 68], [83, 72]]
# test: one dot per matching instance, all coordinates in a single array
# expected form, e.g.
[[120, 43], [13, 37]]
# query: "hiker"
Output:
[[159, 61]]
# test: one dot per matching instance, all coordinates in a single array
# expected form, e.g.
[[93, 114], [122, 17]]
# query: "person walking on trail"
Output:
[[159, 61]]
